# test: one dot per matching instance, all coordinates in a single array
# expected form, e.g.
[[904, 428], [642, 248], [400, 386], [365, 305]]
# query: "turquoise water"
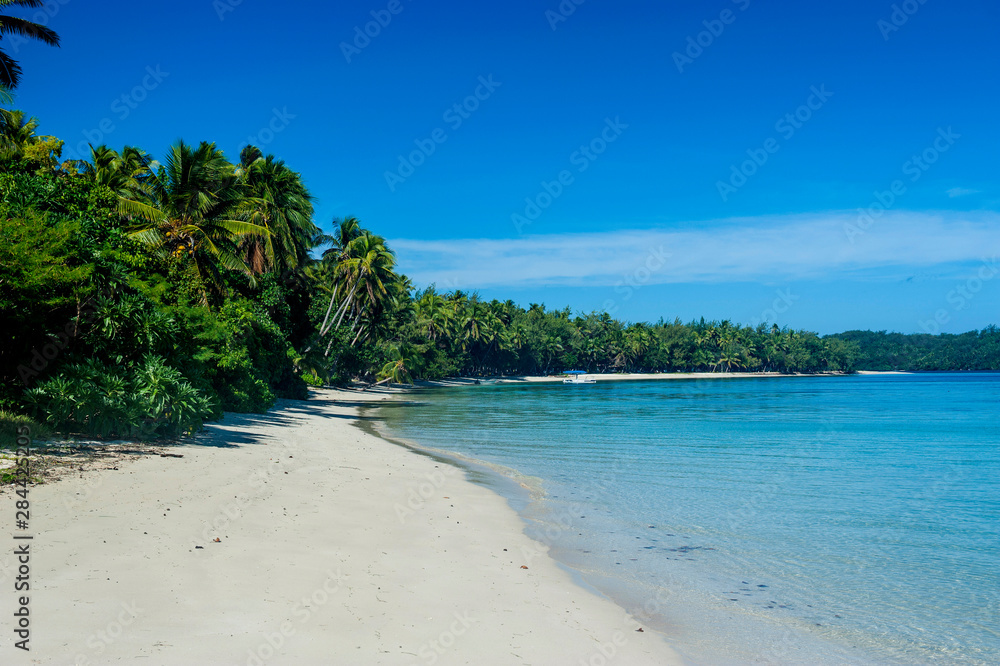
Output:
[[774, 520]]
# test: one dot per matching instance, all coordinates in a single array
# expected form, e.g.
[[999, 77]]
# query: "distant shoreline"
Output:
[[634, 376]]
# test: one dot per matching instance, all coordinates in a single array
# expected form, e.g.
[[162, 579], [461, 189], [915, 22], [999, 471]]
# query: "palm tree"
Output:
[[369, 269], [550, 347], [471, 329], [493, 336], [346, 230], [196, 210], [19, 143], [397, 370], [434, 315], [285, 209], [128, 174], [517, 336], [363, 269], [17, 132], [10, 71]]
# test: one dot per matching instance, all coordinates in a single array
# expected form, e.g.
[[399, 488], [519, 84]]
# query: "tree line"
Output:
[[140, 297]]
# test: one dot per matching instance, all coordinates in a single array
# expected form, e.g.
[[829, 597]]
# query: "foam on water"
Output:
[[789, 520]]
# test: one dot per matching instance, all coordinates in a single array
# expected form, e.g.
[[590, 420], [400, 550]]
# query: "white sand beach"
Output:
[[334, 547], [635, 376]]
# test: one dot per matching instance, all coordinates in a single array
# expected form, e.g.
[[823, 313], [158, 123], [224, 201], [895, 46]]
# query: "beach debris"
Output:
[[171, 455], [639, 630], [199, 547], [523, 567]]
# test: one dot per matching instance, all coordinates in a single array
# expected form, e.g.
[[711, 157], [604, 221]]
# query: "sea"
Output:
[[787, 520]]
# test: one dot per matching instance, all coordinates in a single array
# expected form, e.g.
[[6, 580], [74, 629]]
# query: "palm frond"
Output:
[[137, 209], [10, 25], [10, 71]]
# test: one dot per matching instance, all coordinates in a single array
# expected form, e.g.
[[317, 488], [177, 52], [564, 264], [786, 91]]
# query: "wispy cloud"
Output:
[[960, 192], [747, 249]]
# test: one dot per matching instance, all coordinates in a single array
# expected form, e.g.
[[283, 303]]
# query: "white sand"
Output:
[[336, 548], [632, 376]]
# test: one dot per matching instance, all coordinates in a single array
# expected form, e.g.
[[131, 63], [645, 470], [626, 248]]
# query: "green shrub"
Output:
[[146, 401], [256, 362], [10, 422], [312, 379]]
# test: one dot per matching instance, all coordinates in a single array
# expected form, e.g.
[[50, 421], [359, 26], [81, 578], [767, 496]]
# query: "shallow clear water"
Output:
[[779, 520]]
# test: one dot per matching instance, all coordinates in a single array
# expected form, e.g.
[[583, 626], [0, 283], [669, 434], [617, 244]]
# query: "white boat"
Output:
[[578, 377]]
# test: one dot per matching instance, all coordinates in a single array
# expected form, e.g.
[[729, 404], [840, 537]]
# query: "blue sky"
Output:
[[725, 159]]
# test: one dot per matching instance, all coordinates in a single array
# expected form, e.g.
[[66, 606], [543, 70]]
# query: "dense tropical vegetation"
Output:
[[141, 297]]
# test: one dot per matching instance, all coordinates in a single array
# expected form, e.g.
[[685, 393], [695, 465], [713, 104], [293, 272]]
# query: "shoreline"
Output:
[[332, 544], [676, 610], [626, 376]]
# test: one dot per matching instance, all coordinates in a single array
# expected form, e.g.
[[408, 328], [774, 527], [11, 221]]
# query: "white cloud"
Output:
[[960, 192], [747, 249]]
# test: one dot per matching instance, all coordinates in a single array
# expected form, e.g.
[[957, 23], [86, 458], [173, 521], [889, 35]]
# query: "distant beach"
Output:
[[636, 376]]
